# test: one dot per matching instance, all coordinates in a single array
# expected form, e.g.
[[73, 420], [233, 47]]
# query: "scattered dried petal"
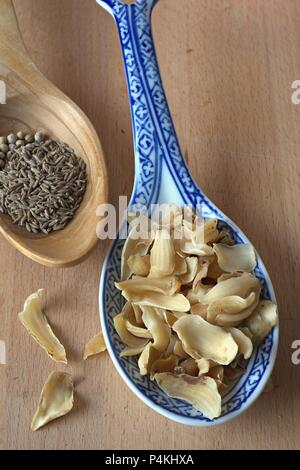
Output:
[[95, 346], [56, 399], [36, 323]]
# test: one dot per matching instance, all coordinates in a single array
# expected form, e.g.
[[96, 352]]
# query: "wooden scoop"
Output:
[[34, 103]]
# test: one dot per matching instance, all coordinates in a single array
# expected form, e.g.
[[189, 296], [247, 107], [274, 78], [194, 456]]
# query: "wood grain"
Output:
[[228, 67]]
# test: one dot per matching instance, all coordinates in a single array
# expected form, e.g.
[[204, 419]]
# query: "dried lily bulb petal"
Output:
[[196, 297], [240, 286], [244, 343], [139, 265], [199, 309], [246, 331], [211, 232], [179, 314], [204, 365], [147, 358], [190, 367], [214, 271], [159, 330], [232, 310], [128, 351], [133, 246], [262, 320], [226, 276], [166, 285], [137, 330], [137, 314], [201, 392], [170, 349], [217, 373], [95, 346], [179, 351], [176, 302], [239, 257], [170, 318], [180, 265], [121, 328], [36, 323], [192, 269], [167, 364], [200, 249], [56, 399], [200, 339], [162, 256], [202, 273]]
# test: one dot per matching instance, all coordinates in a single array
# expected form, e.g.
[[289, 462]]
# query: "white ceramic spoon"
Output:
[[161, 176]]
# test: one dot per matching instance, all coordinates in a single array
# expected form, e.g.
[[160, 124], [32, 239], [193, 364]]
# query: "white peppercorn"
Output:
[[20, 143], [3, 140], [39, 137], [2, 156], [4, 148], [12, 139], [29, 138], [20, 135]]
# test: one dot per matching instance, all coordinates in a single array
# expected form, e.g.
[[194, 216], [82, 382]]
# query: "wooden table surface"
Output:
[[228, 66]]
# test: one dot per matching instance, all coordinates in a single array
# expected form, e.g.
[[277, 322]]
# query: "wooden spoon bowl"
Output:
[[34, 103]]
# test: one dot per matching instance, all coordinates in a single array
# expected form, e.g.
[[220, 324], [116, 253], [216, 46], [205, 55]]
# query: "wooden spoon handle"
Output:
[[11, 42], [15, 62]]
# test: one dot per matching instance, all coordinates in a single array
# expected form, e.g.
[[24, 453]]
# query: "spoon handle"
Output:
[[155, 139]]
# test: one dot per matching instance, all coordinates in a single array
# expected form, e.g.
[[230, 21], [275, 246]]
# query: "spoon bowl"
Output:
[[34, 103], [162, 177]]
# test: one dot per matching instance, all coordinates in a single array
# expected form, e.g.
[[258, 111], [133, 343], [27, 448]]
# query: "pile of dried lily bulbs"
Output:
[[193, 311]]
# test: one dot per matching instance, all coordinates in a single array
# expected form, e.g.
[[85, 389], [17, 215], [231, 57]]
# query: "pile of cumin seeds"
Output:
[[42, 185]]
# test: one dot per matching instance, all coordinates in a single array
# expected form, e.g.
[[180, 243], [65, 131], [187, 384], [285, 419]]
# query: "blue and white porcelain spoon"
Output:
[[162, 176]]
